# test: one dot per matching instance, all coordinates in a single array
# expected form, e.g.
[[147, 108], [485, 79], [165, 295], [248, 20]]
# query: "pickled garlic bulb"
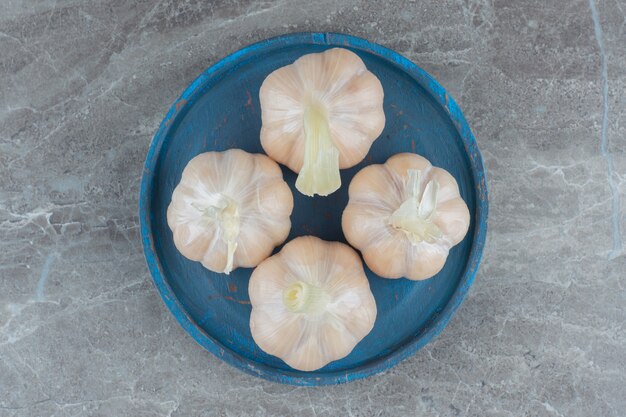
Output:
[[311, 303], [321, 114], [230, 209], [404, 216]]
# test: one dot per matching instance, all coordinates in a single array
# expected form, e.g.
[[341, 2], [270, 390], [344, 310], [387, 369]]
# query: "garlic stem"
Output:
[[301, 297], [225, 213], [415, 215], [320, 171]]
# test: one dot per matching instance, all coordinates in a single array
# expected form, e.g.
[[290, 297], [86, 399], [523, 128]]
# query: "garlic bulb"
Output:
[[230, 209], [311, 303], [320, 114], [404, 216]]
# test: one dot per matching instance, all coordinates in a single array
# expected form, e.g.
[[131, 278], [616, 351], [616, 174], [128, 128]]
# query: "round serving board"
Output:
[[220, 110]]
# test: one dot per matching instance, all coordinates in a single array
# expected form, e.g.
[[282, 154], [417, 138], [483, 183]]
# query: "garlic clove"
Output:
[[401, 164], [386, 255], [309, 354], [424, 261], [352, 143], [335, 340], [366, 223], [283, 138], [448, 188], [267, 292], [360, 94], [216, 258], [453, 219], [253, 247], [374, 187], [306, 259], [329, 71], [271, 338], [275, 196], [353, 122], [195, 246], [339, 260]]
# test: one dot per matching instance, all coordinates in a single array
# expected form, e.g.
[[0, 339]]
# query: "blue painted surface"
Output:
[[220, 110]]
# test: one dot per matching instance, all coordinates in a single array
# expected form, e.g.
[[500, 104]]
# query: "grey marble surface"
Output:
[[83, 87]]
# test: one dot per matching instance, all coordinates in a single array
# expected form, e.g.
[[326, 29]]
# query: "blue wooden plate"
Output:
[[220, 110]]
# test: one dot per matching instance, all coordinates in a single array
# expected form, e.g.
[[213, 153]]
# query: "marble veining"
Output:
[[615, 220], [45, 272], [84, 87]]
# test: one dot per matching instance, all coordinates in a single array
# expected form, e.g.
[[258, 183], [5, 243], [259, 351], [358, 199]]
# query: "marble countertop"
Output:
[[83, 88]]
